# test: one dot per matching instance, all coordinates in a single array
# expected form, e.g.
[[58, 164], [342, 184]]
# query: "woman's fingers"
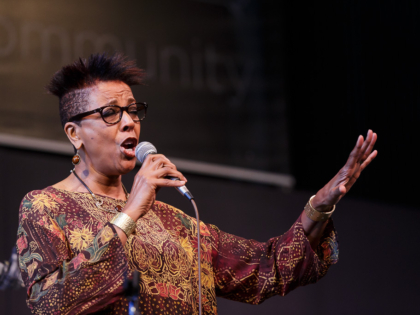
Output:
[[356, 175], [370, 146], [163, 166], [359, 158], [362, 149], [154, 170], [165, 182], [157, 161], [355, 153], [166, 171], [159, 178], [365, 144], [368, 160], [154, 159]]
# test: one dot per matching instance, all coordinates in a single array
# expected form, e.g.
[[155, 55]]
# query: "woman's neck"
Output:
[[97, 182]]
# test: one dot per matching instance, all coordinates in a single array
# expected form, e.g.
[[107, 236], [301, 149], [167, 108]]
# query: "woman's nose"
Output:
[[126, 121]]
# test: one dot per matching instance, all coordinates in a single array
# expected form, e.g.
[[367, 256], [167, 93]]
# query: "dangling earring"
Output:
[[76, 158]]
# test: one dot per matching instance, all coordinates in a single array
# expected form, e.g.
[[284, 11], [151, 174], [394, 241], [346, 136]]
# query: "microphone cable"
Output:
[[198, 253]]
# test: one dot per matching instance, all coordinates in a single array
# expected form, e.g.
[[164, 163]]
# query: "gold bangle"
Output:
[[124, 222], [316, 215]]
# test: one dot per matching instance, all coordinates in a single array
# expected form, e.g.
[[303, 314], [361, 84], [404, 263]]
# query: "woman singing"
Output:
[[79, 239]]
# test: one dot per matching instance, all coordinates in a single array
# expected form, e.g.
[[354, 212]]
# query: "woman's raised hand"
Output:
[[147, 182], [360, 157]]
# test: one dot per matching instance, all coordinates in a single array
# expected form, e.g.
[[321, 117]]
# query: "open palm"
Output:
[[360, 157]]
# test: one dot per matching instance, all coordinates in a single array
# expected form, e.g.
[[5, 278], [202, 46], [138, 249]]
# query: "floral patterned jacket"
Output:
[[72, 260]]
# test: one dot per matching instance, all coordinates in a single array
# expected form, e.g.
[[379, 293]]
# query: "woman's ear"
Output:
[[72, 131]]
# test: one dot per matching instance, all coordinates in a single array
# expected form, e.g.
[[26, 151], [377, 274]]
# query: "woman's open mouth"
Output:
[[128, 147]]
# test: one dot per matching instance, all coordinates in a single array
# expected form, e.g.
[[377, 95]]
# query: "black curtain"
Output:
[[351, 66]]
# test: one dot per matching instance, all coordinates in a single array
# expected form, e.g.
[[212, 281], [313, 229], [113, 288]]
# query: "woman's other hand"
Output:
[[360, 157]]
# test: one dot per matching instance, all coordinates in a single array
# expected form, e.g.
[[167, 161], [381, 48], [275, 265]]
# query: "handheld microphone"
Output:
[[145, 148]]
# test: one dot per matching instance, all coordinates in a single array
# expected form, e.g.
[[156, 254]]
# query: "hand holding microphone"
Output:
[[145, 148], [156, 171]]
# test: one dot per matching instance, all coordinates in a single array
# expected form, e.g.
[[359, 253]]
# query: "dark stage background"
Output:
[[279, 86]]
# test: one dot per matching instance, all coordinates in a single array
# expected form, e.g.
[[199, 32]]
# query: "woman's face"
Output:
[[109, 149]]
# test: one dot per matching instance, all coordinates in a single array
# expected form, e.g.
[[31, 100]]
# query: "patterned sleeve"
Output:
[[251, 271], [57, 281]]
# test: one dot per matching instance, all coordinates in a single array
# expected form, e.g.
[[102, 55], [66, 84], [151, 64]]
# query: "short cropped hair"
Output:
[[71, 82]]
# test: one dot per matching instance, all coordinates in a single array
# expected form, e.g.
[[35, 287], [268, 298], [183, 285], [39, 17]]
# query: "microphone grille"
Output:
[[143, 149]]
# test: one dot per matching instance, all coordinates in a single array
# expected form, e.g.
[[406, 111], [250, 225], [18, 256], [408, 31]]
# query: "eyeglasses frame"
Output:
[[100, 109]]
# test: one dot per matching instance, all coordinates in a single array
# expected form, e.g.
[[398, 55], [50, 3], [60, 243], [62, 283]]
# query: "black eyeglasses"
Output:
[[112, 114]]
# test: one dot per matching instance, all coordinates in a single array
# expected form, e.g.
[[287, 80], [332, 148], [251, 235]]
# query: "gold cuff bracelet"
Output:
[[316, 215], [124, 222]]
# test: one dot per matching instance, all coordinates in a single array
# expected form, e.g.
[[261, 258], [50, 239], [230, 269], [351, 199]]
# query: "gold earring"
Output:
[[76, 158]]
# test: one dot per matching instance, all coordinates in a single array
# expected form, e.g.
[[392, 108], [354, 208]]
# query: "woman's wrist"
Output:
[[133, 214], [318, 205]]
